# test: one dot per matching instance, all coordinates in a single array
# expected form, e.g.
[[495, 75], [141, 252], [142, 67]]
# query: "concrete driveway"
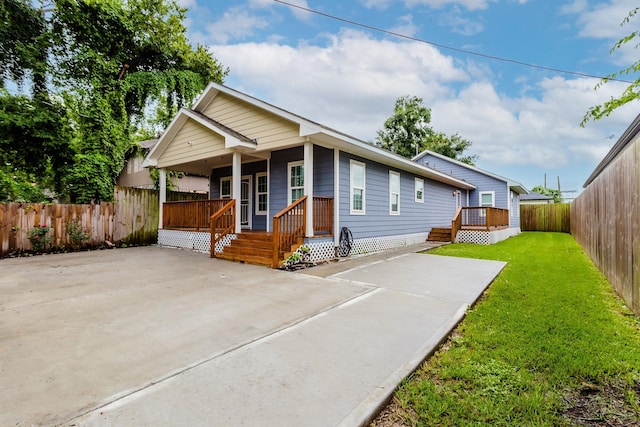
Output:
[[150, 336]]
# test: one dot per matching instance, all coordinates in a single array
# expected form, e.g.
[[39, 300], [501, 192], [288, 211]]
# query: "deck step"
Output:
[[439, 234], [253, 247]]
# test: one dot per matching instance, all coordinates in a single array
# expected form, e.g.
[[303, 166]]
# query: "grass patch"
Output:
[[549, 343]]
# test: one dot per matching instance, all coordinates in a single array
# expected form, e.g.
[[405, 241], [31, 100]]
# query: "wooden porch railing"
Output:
[[478, 218], [456, 224], [288, 225], [222, 223], [322, 215], [484, 218], [190, 213]]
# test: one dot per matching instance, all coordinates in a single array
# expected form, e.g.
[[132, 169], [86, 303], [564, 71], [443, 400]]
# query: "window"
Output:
[[225, 187], [486, 199], [515, 208], [262, 193], [296, 181], [419, 190], [357, 182], [394, 193]]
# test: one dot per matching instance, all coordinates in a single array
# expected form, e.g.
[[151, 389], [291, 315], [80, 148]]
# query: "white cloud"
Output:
[[437, 4], [235, 24], [351, 82], [405, 26], [461, 25]]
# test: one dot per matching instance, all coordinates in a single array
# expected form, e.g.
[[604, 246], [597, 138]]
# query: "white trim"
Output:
[[226, 178], [268, 225], [249, 225], [336, 197], [353, 211], [162, 188], [236, 172], [392, 175], [258, 193], [308, 185], [418, 184], [289, 188]]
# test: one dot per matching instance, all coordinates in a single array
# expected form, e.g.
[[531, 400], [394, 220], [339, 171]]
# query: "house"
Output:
[[136, 176], [278, 180], [534, 198], [491, 191], [606, 214]]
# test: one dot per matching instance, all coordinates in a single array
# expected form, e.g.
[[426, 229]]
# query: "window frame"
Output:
[[289, 187], [262, 193], [352, 186], [493, 199], [418, 182], [393, 175], [230, 179]]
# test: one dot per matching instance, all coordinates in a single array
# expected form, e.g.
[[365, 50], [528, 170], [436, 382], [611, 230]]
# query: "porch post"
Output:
[[236, 173], [162, 184], [308, 185], [336, 197]]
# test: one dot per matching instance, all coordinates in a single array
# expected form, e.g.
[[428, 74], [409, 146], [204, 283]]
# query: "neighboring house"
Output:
[[281, 170], [605, 217], [137, 176], [490, 190], [534, 198]]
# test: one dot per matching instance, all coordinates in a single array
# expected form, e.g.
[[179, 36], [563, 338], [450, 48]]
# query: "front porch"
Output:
[[480, 225], [210, 226]]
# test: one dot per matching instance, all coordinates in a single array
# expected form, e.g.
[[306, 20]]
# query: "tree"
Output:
[[632, 92], [407, 133], [111, 64], [557, 196]]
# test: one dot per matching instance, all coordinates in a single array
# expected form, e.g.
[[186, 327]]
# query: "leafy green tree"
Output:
[[408, 132], [112, 64], [557, 196], [34, 148], [632, 92], [23, 44]]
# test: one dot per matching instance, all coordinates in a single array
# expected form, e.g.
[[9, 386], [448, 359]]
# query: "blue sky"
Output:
[[523, 121]]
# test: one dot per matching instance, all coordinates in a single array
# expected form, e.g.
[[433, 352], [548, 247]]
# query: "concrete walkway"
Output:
[[150, 336]]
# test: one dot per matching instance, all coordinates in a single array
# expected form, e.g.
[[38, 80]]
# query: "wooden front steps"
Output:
[[439, 234], [254, 247]]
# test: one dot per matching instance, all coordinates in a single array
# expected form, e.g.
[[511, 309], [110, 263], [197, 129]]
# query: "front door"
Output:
[[245, 202]]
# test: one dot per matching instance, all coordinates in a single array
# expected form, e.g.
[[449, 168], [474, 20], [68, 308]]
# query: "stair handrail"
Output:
[[456, 224], [288, 225], [222, 223]]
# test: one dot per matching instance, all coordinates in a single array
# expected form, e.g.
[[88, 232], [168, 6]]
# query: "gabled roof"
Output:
[[232, 138], [513, 185], [320, 133], [627, 137]]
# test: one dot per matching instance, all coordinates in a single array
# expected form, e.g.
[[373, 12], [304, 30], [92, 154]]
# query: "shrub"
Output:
[[39, 237]]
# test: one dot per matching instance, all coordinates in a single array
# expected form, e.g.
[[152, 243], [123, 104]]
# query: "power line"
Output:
[[455, 49]]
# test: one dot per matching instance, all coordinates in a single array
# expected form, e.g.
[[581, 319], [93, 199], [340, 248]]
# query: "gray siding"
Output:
[[480, 180], [414, 217], [278, 182], [322, 171]]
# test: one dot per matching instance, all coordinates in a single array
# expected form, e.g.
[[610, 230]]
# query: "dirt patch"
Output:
[[615, 404]]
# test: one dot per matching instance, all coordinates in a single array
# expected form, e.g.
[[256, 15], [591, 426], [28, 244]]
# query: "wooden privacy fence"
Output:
[[605, 220], [131, 218], [552, 217]]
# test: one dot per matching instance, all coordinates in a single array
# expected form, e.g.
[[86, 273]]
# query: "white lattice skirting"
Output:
[[320, 249], [486, 237], [199, 241]]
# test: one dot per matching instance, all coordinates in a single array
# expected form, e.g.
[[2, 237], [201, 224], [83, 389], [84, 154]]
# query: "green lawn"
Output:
[[548, 344]]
